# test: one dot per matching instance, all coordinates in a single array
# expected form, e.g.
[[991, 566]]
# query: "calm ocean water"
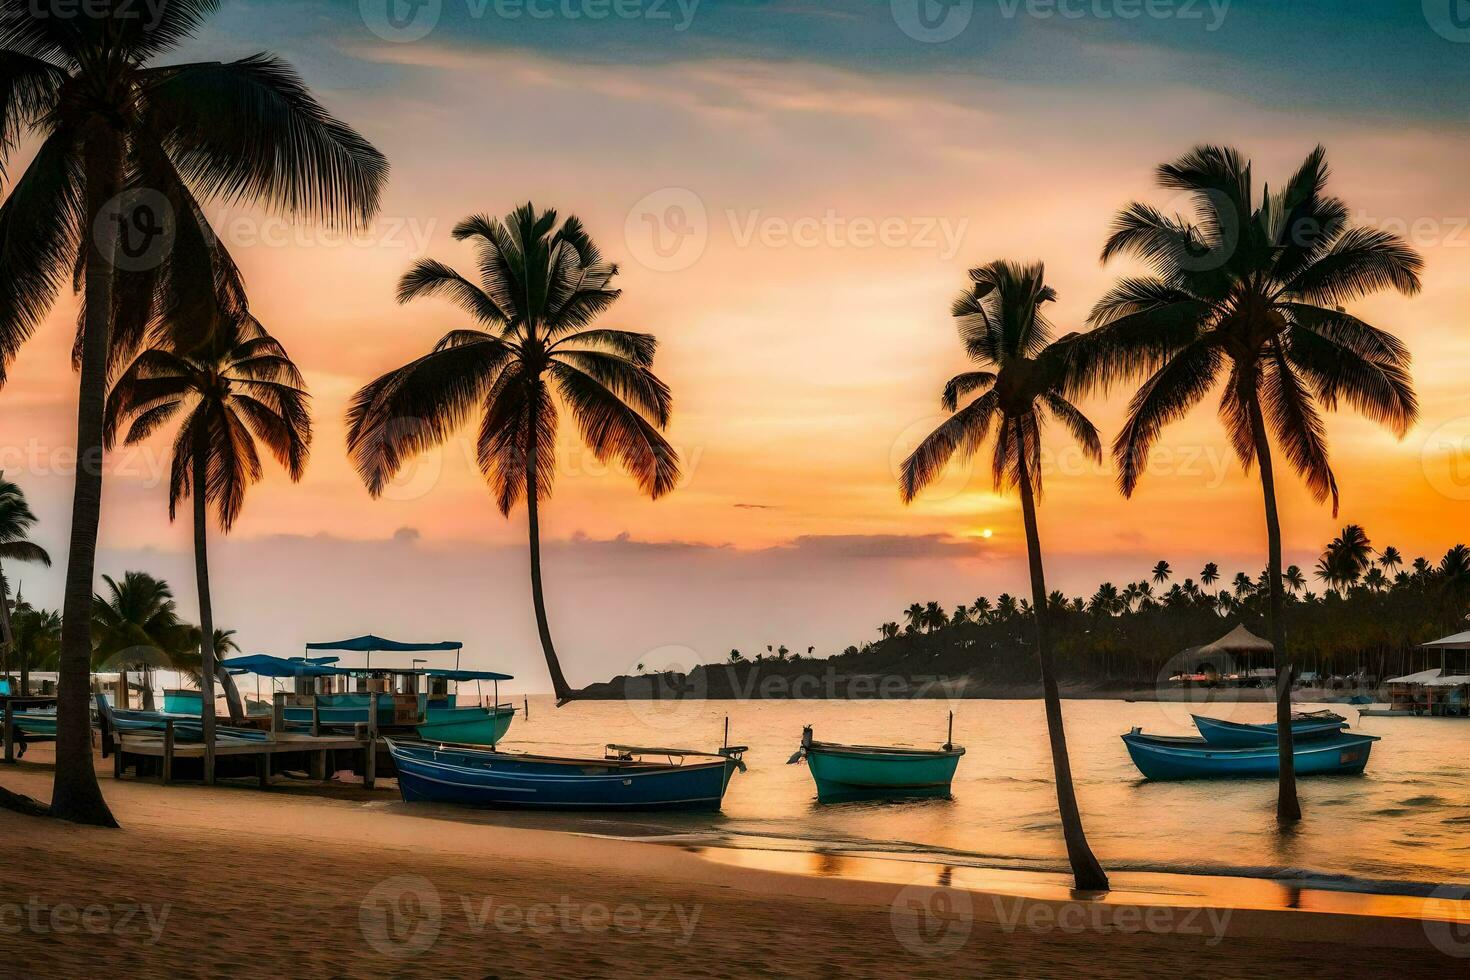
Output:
[[1406, 821]]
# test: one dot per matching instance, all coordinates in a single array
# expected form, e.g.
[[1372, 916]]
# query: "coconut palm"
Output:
[[1210, 574], [533, 344], [1390, 558], [1293, 578], [122, 142], [1022, 379], [16, 521], [238, 388], [1253, 294], [37, 636], [136, 624], [1161, 572]]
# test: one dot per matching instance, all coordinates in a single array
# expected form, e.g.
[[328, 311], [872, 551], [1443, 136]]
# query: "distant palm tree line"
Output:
[[1371, 615]]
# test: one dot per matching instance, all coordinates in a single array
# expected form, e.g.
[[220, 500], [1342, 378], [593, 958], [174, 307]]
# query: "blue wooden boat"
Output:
[[622, 781], [1175, 757], [1228, 734], [187, 728], [467, 726], [864, 772]]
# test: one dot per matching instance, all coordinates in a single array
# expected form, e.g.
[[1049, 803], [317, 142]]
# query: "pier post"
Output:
[[9, 729], [168, 752], [319, 765], [278, 712], [316, 717], [263, 768], [370, 761]]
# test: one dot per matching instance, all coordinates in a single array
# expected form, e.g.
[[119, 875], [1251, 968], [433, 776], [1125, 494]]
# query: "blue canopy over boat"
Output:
[[470, 675], [368, 643], [264, 665]]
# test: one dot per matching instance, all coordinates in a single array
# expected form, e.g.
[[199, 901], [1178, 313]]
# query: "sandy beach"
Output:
[[302, 880]]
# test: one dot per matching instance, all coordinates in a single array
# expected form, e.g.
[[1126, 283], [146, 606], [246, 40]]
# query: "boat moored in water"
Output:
[[1167, 757], [865, 772], [1304, 725], [624, 780]]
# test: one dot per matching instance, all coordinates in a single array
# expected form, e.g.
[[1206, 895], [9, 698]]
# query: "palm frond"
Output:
[[963, 433], [1361, 262], [40, 230], [614, 430], [250, 130], [1167, 395], [636, 347], [962, 384], [1288, 409], [27, 551], [429, 277], [417, 406]]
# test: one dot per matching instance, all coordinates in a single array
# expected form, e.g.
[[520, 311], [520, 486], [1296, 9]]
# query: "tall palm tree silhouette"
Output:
[[127, 150], [16, 521], [533, 344], [1251, 293], [1022, 379], [238, 388]]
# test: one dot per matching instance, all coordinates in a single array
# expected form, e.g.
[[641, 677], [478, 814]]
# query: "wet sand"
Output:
[[300, 881]]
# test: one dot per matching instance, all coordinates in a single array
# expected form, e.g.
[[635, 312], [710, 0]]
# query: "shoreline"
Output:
[[295, 880]]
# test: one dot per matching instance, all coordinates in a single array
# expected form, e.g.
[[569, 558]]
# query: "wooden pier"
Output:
[[317, 754]]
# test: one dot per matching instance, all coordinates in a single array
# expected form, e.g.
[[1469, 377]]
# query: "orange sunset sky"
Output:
[[832, 180]]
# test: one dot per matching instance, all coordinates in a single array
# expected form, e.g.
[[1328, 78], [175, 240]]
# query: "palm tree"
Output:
[[37, 636], [238, 388], [1351, 552], [1022, 379], [121, 142], [16, 521], [1293, 578], [1390, 558], [136, 625], [541, 287], [1161, 572], [1210, 574], [1254, 294]]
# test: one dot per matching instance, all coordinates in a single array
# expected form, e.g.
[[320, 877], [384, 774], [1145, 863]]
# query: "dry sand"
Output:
[[299, 882]]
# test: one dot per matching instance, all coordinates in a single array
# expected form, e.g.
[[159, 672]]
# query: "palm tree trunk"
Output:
[[1288, 809], [75, 794], [1086, 871], [206, 613], [233, 703], [559, 685], [7, 635]]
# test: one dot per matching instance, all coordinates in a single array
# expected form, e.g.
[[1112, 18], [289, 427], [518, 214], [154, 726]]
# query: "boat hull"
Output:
[[36, 724], [848, 774], [1229, 734], [183, 702], [1165, 758], [466, 726], [474, 777]]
